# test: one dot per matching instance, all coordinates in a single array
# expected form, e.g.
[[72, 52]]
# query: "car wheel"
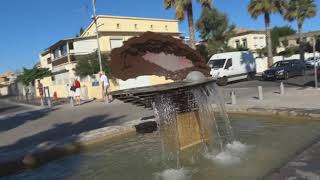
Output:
[[286, 75], [223, 81]]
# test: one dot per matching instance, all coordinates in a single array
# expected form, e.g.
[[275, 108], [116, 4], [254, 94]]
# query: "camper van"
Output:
[[232, 66]]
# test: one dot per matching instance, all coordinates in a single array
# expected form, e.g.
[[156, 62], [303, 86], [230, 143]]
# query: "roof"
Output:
[[242, 31], [62, 41], [296, 36], [6, 74], [126, 17]]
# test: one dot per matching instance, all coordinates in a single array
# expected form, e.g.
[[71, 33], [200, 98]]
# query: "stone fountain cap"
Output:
[[156, 54]]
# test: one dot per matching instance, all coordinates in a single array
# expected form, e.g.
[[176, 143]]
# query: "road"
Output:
[[8, 108]]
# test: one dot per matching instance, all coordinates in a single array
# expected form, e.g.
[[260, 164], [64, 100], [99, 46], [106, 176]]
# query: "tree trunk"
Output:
[[301, 42], [268, 39], [191, 27]]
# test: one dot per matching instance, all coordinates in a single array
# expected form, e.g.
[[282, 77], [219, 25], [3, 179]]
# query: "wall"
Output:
[[133, 24], [84, 46]]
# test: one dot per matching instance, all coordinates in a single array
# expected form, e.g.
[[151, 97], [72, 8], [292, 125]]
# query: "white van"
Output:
[[232, 66]]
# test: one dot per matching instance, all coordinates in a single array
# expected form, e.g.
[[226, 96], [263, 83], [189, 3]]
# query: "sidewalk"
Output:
[[25, 132], [295, 102]]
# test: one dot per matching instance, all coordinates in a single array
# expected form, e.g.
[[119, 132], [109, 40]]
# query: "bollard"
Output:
[[260, 93], [47, 97], [41, 101], [71, 101], [281, 88], [233, 98]]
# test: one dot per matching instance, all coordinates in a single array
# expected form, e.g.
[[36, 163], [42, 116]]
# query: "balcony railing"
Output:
[[64, 59]]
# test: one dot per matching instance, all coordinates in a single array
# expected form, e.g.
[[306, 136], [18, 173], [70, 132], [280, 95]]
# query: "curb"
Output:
[[288, 112], [46, 152]]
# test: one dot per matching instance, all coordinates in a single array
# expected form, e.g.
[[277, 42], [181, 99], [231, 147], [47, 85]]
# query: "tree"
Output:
[[183, 7], [257, 8], [300, 10], [278, 32], [30, 75], [88, 65], [215, 30]]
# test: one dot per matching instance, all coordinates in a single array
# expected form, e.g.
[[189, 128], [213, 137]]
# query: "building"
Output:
[[293, 40], [113, 30], [61, 57], [5, 80], [245, 38]]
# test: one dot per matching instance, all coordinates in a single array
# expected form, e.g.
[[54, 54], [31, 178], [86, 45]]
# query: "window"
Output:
[[115, 43], [217, 63], [48, 60], [255, 37], [136, 26], [151, 27], [64, 51], [244, 43], [166, 27], [118, 26], [298, 41], [56, 53], [261, 37], [228, 64], [70, 45], [237, 43]]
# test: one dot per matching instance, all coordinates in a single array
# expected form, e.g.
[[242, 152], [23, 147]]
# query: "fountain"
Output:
[[184, 108]]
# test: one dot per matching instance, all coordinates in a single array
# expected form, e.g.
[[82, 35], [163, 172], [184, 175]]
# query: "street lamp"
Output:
[[315, 63], [94, 18]]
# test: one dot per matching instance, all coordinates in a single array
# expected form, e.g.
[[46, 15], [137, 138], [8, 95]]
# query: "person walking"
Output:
[[105, 85], [77, 92]]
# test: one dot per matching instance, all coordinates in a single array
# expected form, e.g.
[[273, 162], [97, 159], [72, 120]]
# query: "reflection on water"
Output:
[[265, 144]]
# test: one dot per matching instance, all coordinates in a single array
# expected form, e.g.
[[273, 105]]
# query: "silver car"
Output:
[[310, 62]]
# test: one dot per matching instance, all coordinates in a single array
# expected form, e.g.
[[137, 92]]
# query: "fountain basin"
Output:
[[267, 143]]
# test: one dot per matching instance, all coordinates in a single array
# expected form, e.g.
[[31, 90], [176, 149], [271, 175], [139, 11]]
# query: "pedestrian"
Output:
[[105, 85], [77, 92], [40, 90]]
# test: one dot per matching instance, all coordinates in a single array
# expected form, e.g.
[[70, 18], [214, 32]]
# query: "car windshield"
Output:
[[281, 64], [217, 63]]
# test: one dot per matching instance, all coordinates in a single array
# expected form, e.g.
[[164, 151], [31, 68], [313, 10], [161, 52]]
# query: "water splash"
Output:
[[174, 174], [233, 154]]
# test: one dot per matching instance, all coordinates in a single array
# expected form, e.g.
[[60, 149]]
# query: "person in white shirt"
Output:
[[105, 85]]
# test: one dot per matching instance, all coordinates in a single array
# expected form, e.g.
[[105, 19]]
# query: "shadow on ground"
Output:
[[14, 156], [60, 131], [12, 122]]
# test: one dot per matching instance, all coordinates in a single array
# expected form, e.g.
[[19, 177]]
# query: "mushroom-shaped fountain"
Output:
[[184, 108]]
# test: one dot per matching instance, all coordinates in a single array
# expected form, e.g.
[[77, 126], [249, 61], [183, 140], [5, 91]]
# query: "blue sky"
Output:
[[29, 26]]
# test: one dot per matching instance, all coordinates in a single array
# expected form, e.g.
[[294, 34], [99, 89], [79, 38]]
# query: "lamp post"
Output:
[[315, 63], [97, 32]]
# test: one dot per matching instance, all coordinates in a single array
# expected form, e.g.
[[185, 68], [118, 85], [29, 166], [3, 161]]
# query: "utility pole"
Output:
[[315, 63], [97, 32]]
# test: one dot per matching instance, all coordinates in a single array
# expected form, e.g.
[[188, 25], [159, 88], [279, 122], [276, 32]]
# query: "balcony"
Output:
[[64, 59]]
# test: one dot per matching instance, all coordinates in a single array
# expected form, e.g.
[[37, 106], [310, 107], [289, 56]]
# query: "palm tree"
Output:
[[266, 8], [181, 8], [300, 10]]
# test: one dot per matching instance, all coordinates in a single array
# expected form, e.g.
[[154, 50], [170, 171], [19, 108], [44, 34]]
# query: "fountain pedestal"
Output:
[[189, 129]]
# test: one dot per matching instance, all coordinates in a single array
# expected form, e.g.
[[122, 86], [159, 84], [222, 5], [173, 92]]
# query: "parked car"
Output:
[[310, 62], [285, 69], [232, 66]]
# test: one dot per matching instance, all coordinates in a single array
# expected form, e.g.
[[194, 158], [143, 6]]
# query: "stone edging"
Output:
[[289, 112]]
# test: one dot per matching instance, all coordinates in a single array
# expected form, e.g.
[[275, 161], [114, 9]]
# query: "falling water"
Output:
[[166, 114], [208, 97], [215, 128]]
